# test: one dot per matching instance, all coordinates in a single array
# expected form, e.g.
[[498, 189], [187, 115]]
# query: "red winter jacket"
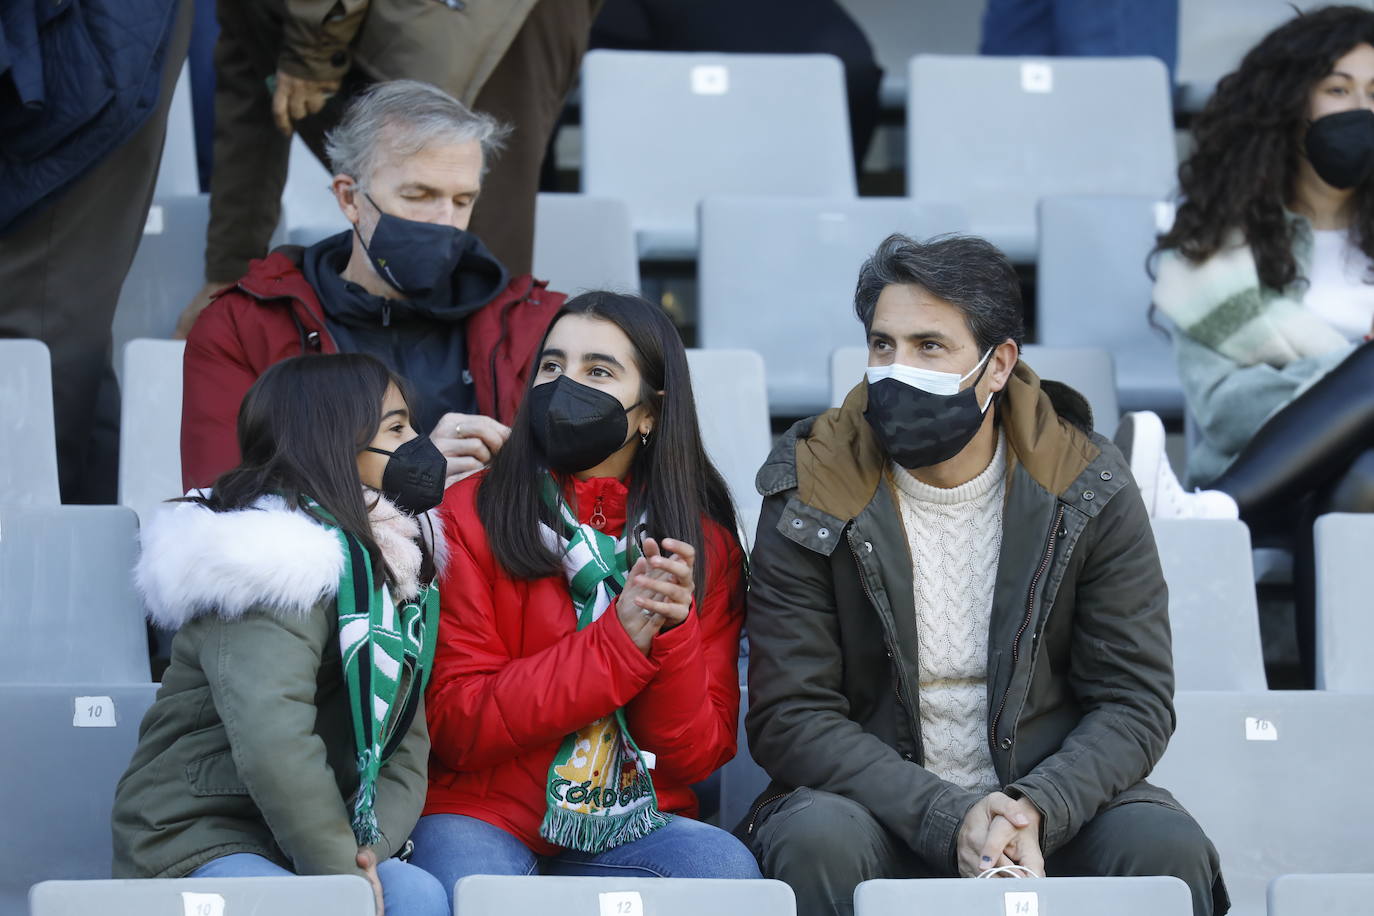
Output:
[[513, 675], [273, 314]]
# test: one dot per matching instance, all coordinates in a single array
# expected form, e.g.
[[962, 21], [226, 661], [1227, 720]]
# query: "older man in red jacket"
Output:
[[408, 284]]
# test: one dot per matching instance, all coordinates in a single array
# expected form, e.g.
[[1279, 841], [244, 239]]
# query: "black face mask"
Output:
[[918, 429], [414, 475], [415, 257], [1341, 147], [576, 426]]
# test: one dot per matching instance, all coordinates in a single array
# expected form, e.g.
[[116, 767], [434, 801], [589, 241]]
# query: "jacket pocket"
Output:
[[215, 774], [69, 84]]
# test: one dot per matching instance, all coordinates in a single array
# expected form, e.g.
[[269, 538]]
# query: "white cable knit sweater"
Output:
[[956, 541]]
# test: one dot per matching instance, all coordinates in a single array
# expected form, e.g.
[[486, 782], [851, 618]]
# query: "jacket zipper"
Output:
[[754, 815], [1030, 613]]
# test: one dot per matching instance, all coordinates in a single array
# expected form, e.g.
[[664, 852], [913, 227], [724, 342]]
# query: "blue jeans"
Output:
[[453, 846], [1082, 28], [406, 890]]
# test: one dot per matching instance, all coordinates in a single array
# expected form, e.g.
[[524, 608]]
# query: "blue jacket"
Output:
[[77, 79]]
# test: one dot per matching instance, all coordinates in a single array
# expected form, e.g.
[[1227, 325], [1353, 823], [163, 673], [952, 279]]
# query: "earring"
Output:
[[643, 438]]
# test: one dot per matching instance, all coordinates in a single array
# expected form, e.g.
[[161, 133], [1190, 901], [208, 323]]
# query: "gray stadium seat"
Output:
[[168, 269], [493, 895], [583, 243], [1085, 369], [661, 131], [777, 276], [67, 603], [732, 408], [1160, 896], [1345, 624], [1307, 895], [66, 745], [741, 780], [899, 30], [150, 425], [1270, 778], [336, 895], [1092, 290], [1212, 605], [996, 134], [178, 173], [28, 437], [307, 201]]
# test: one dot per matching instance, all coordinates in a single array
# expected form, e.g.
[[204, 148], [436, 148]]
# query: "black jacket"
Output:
[[1080, 669]]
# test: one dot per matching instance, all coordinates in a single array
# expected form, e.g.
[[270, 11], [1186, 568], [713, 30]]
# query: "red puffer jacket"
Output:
[[273, 314], [513, 675]]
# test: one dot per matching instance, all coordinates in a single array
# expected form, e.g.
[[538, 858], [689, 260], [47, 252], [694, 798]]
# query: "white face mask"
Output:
[[927, 380]]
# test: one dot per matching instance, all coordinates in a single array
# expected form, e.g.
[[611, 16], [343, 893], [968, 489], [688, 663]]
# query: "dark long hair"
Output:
[[671, 479], [1249, 139], [300, 429]]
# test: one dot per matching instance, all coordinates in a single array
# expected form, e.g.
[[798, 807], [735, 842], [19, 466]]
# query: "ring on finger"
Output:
[[458, 431], [646, 612]]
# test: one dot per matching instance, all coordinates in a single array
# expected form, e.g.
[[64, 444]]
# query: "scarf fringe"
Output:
[[597, 833], [364, 822]]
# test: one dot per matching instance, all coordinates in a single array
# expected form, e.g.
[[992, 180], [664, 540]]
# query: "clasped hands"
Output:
[[999, 831]]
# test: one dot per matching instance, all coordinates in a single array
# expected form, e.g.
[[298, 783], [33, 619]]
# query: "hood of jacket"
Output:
[[478, 279], [197, 561], [836, 464]]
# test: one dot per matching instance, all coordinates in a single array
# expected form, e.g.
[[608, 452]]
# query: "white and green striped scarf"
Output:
[[600, 793], [1221, 304], [387, 651]]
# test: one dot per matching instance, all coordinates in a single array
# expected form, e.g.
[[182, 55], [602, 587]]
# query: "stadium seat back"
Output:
[[1087, 370], [337, 895], [777, 275], [1093, 290], [28, 436], [1269, 776], [897, 31], [150, 425], [732, 410], [1153, 896], [1212, 607], [1345, 626], [583, 243], [66, 746], [68, 608], [493, 895], [663, 130], [997, 134], [1307, 895], [167, 271]]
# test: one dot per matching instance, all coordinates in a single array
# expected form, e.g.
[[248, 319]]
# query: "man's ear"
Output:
[[346, 194], [1003, 361]]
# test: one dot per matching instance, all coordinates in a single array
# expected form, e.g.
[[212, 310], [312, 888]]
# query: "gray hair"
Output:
[[402, 117], [967, 272]]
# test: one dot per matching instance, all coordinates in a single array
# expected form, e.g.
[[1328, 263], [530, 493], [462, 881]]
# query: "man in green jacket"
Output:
[[960, 648]]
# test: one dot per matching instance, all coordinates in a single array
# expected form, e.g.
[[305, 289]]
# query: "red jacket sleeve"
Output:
[[216, 374], [688, 714], [486, 705]]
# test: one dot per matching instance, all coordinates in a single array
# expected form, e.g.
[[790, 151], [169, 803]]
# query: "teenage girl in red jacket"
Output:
[[591, 611]]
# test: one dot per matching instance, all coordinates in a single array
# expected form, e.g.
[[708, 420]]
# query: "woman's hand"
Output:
[[367, 861], [658, 591]]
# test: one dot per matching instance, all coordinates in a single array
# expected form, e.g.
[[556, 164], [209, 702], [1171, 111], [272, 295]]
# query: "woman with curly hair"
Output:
[[1267, 279]]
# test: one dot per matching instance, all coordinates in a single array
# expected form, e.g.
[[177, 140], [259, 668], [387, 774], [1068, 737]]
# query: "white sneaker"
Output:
[[1141, 439]]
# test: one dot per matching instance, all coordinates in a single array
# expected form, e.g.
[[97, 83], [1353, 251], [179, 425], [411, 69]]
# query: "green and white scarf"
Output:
[[388, 651], [600, 794], [1221, 304]]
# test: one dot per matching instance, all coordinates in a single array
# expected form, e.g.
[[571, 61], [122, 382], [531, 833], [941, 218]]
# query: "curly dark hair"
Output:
[[1249, 139]]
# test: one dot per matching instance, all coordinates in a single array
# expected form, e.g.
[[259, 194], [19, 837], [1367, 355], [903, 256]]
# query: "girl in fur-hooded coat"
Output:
[[250, 761]]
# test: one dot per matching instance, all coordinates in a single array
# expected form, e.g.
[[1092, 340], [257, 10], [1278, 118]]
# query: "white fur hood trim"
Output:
[[196, 561]]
